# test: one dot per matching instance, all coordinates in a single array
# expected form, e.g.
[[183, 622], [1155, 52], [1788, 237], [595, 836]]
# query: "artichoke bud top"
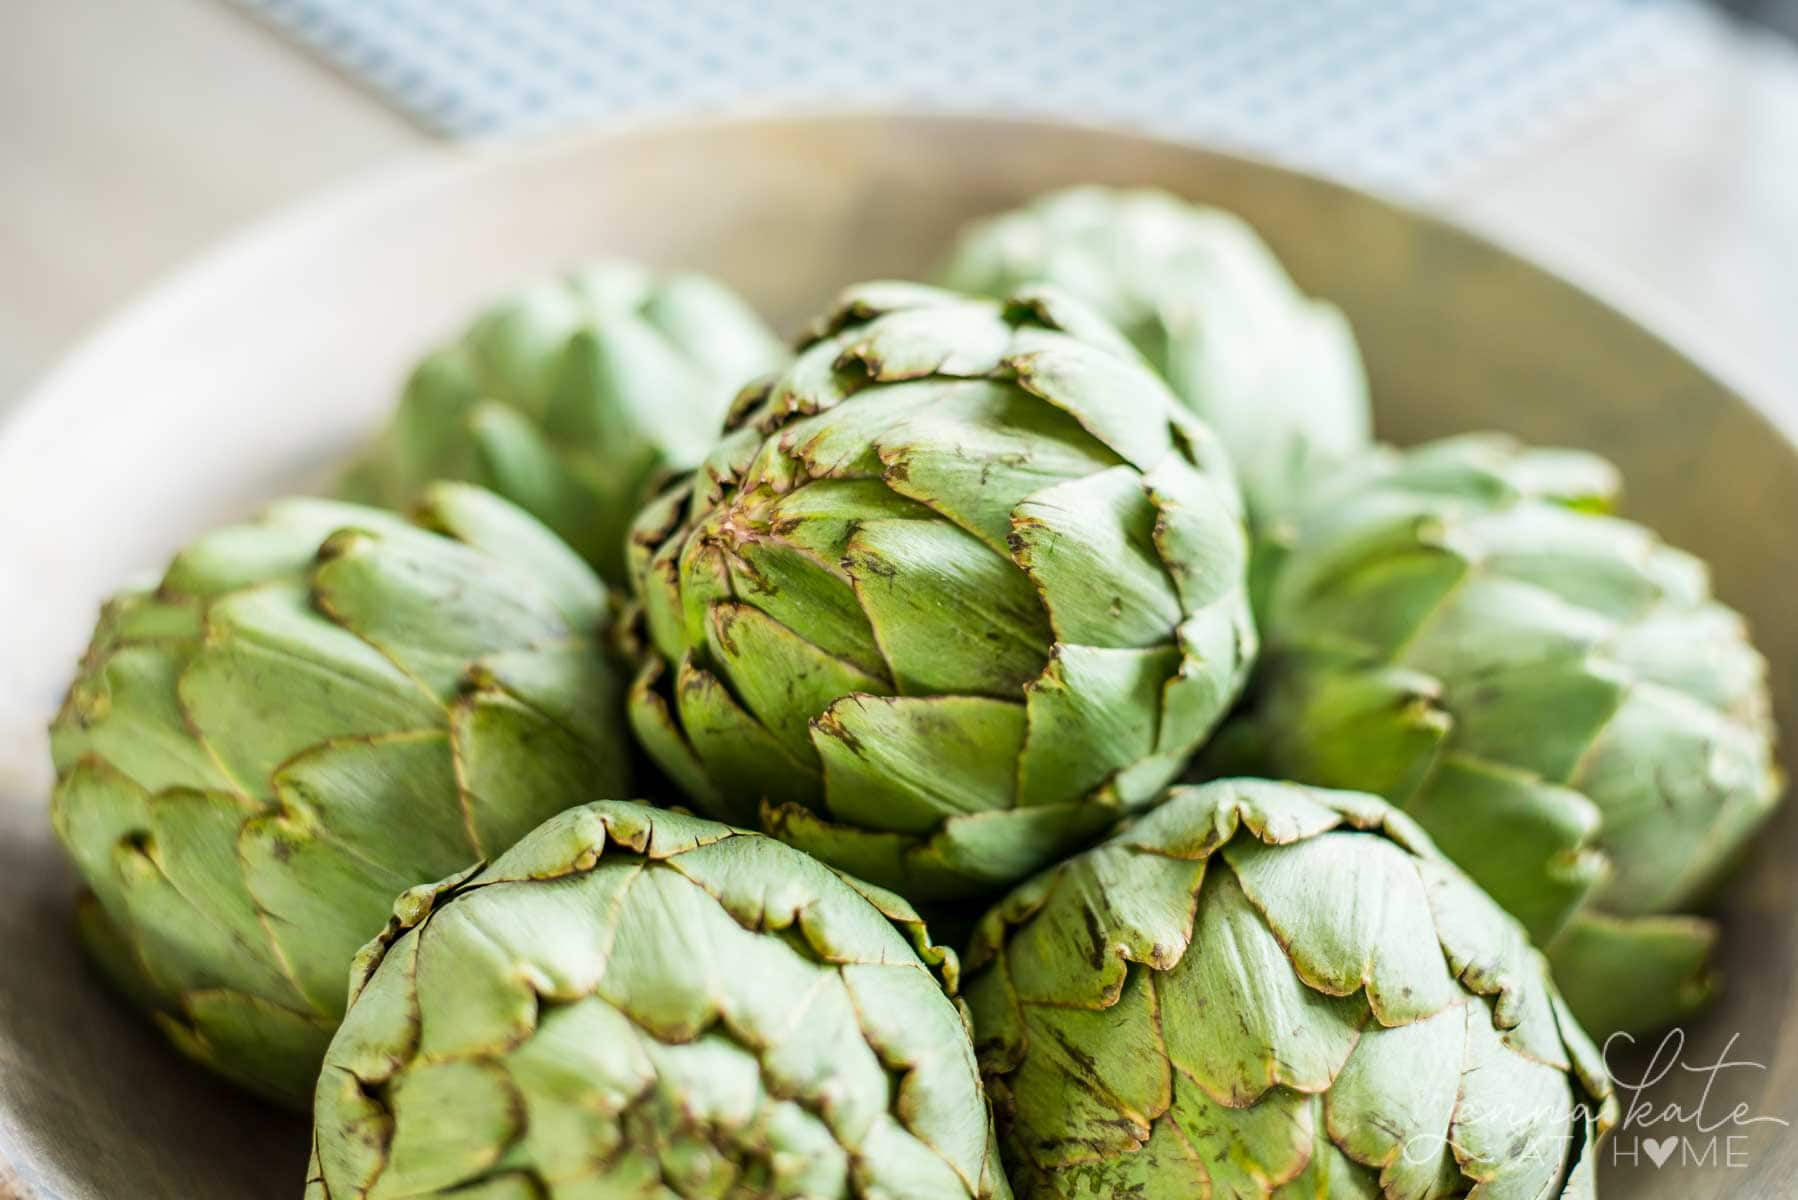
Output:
[[895, 602], [1463, 628], [572, 398], [746, 519], [805, 1043], [312, 712], [1256, 982]]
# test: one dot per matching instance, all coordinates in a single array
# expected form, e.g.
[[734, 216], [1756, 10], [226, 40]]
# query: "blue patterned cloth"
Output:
[[1411, 95]]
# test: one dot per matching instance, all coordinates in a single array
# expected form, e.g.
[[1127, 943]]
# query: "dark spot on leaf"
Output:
[[1095, 933]]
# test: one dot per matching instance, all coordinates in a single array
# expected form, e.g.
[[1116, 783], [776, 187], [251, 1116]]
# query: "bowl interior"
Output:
[[262, 365]]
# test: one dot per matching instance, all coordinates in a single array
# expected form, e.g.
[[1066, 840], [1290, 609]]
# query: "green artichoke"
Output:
[[1551, 692], [1275, 373], [958, 590], [636, 1003], [1260, 989], [571, 397], [306, 716]]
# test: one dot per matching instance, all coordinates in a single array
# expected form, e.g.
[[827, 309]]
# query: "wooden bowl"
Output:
[[263, 364]]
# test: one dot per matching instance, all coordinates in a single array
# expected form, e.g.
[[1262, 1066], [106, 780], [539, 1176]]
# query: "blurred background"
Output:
[[1649, 147]]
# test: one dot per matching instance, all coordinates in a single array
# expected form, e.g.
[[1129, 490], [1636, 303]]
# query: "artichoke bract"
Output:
[[1277, 374], [958, 590], [1549, 690], [1261, 989], [571, 397], [635, 1002], [308, 715]]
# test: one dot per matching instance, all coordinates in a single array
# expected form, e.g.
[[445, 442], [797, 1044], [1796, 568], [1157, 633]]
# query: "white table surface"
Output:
[[135, 133]]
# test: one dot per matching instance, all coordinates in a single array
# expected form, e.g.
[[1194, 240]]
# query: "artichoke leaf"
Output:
[[428, 609], [274, 677], [960, 338], [454, 1119], [1126, 907], [1198, 536], [1373, 933], [349, 789], [1093, 1082], [712, 326], [800, 587], [263, 1047], [842, 441], [1392, 1107], [1673, 821], [781, 678], [1088, 545], [950, 616], [128, 715], [1249, 1151], [498, 529], [1086, 719], [979, 449], [512, 456], [516, 768], [1217, 646], [903, 763], [318, 900], [186, 906], [1515, 1123], [282, 545], [891, 1001], [1635, 975], [564, 682], [653, 721], [738, 749], [586, 1065], [989, 849], [1530, 844], [1237, 1019], [1090, 384]]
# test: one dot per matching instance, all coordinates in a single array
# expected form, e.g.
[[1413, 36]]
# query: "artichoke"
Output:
[[1260, 989], [571, 397], [306, 716], [1550, 691], [1275, 373], [956, 591], [634, 1002]]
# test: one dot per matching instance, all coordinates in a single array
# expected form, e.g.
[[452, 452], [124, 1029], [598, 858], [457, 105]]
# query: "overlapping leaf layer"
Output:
[[570, 396], [1264, 990], [1274, 372], [1551, 691], [308, 715], [955, 592], [634, 1003]]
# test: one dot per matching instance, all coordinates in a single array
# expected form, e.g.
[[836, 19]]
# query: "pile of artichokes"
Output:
[[559, 812]]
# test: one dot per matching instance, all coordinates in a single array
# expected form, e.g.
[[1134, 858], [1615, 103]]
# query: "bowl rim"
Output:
[[443, 164]]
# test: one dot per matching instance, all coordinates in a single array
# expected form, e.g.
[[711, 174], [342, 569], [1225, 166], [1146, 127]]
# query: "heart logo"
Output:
[[1660, 1151]]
